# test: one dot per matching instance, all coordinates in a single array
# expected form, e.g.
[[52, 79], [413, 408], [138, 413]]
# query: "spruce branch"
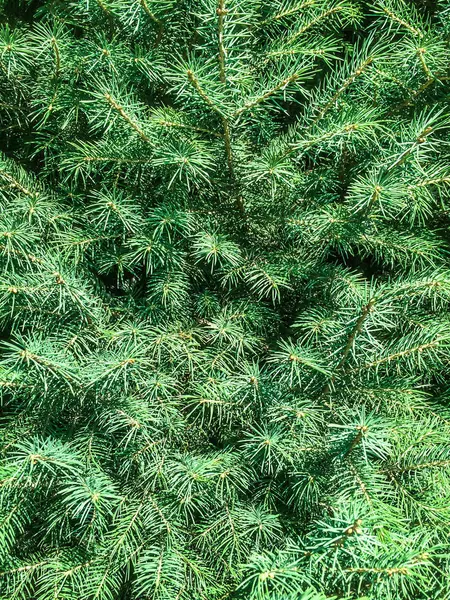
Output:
[[221, 13], [289, 11], [16, 184], [154, 18], [316, 20], [120, 110], [352, 77], [200, 91], [280, 86], [104, 7], [389, 10], [403, 353], [147, 10]]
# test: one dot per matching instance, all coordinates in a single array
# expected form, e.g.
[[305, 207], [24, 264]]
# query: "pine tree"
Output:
[[224, 293]]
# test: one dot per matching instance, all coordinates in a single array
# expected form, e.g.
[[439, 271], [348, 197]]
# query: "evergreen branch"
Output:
[[154, 18], [57, 55], [117, 107], [427, 182], [24, 568], [361, 431], [401, 354], [424, 251], [387, 570], [227, 138], [112, 159], [414, 95], [365, 312], [421, 139], [203, 95], [165, 123], [397, 19], [420, 53], [22, 254], [357, 72], [221, 12], [120, 541], [104, 8], [419, 466], [360, 482], [282, 84], [289, 12], [147, 10], [313, 22], [14, 183], [161, 514], [393, 78]]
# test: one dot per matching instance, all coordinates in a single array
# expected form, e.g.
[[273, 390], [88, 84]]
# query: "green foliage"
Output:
[[224, 294]]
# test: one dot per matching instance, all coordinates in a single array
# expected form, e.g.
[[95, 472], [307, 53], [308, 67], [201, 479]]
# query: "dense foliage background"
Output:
[[224, 293]]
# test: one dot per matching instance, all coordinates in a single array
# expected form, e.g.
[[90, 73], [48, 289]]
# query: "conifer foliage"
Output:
[[224, 293]]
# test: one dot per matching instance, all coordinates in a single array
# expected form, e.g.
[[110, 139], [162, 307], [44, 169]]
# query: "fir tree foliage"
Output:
[[224, 293]]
